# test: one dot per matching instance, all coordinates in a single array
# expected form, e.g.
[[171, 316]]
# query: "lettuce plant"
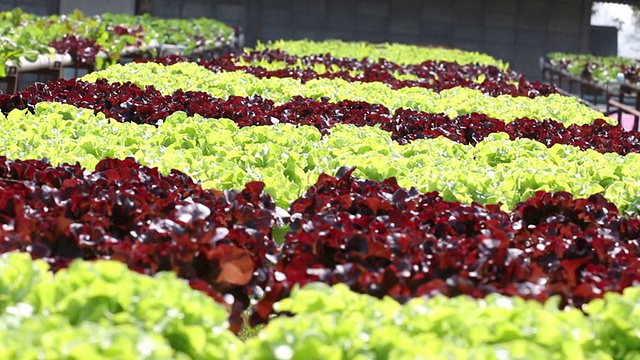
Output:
[[384, 240], [335, 322], [135, 316], [399, 53], [453, 102], [602, 69], [83, 37], [289, 158], [129, 103], [436, 75], [217, 241]]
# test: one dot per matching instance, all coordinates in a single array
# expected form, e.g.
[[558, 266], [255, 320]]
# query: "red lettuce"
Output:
[[129, 103], [435, 75], [219, 241], [384, 240], [82, 51]]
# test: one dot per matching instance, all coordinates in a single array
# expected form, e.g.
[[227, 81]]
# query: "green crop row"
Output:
[[603, 69], [102, 310], [335, 323], [289, 158], [322, 68], [398, 53], [29, 35], [453, 102], [273, 65]]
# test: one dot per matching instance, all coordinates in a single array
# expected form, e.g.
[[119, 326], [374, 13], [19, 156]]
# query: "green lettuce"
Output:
[[103, 310], [289, 158], [453, 102], [334, 322], [399, 53]]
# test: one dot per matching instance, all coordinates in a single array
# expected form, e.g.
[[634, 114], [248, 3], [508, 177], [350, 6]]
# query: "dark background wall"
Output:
[[41, 7], [603, 40], [516, 31]]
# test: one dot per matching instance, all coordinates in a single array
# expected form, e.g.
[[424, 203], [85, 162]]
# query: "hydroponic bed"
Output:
[[357, 201]]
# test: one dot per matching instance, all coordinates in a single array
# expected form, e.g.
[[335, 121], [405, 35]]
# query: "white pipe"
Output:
[[49, 61], [42, 62]]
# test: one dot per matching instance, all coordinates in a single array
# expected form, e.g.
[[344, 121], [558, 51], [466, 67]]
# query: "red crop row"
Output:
[[376, 237], [129, 103], [435, 75], [82, 51], [383, 240], [219, 241]]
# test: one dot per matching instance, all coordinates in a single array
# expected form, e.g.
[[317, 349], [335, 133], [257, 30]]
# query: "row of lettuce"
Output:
[[342, 230], [102, 310], [289, 158], [83, 37], [432, 74], [187, 76], [378, 237], [402, 54], [601, 69], [130, 103], [380, 228]]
